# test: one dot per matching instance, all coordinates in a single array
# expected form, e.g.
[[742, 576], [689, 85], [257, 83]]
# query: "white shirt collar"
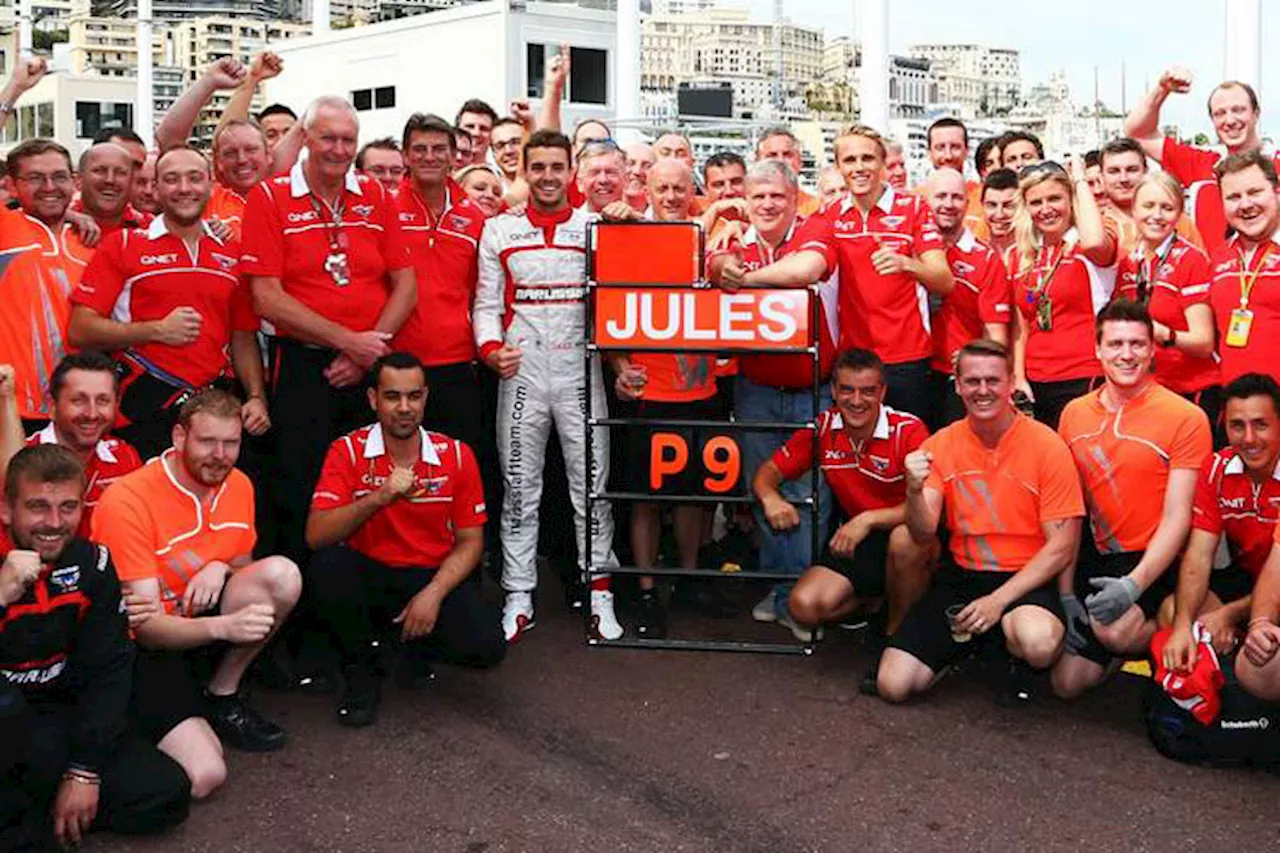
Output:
[[967, 242], [881, 431], [375, 445], [298, 182], [158, 228], [49, 435], [1236, 466], [885, 202]]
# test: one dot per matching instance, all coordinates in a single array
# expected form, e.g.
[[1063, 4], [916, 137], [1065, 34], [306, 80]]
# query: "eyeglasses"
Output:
[[1043, 167], [37, 179], [506, 143]]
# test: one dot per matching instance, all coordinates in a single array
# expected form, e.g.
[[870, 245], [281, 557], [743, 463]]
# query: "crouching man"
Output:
[[397, 521], [66, 765], [182, 533]]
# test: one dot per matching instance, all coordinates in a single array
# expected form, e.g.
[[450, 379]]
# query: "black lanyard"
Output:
[[333, 222], [1144, 279]]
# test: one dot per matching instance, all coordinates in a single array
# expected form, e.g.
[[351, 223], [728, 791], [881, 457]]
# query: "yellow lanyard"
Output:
[[1247, 281]]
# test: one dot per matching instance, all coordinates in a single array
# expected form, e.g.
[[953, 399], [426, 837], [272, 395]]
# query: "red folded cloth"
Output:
[[1195, 691]]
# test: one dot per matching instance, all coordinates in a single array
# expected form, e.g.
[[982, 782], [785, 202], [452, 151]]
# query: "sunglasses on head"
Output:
[[1043, 167]]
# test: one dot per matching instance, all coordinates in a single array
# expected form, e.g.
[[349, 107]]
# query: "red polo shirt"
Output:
[[110, 460], [1177, 284], [415, 531], [286, 238], [1228, 502], [981, 295], [787, 371], [1193, 167], [132, 218], [139, 276], [445, 255], [887, 314], [1077, 289], [863, 475], [1261, 352]]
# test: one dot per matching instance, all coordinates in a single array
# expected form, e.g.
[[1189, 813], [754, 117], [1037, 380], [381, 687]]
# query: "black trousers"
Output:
[[143, 790], [307, 415], [1052, 397], [357, 598], [1212, 402], [910, 388], [462, 405]]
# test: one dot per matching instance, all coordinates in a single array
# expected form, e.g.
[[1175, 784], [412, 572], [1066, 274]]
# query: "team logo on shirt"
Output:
[[303, 216], [434, 485], [1272, 262], [879, 463], [1232, 503], [834, 455], [225, 262], [1166, 270], [66, 578], [362, 210], [893, 221], [457, 221], [405, 216], [151, 260], [964, 268]]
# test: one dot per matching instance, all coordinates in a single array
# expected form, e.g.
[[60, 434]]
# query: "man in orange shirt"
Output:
[[1132, 440], [181, 532], [948, 141], [41, 259], [1014, 508]]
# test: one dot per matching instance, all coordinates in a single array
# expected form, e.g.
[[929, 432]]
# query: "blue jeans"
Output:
[[788, 552]]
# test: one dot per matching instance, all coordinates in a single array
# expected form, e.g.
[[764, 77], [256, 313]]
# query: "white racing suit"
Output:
[[532, 295]]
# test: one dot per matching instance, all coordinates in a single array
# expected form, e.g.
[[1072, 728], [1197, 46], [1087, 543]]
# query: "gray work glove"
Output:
[[1077, 622], [1113, 598]]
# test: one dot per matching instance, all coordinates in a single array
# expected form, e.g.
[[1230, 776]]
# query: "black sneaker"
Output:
[[361, 695], [240, 727], [651, 620], [871, 680], [1016, 688]]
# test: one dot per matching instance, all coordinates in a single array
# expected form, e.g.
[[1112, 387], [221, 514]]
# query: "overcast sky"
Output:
[[1074, 36]]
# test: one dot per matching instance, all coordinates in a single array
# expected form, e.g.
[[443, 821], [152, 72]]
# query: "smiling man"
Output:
[[106, 184], [1122, 576]]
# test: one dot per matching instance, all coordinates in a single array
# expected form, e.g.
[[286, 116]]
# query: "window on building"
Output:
[[44, 120], [362, 99], [588, 73], [93, 116], [384, 97]]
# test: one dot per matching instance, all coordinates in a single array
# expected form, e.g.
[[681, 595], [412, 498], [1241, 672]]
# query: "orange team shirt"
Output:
[[1077, 289], [1231, 274], [887, 314], [285, 238], [807, 204], [139, 276], [419, 530], [997, 499], [227, 206], [981, 296], [677, 377], [1125, 457], [1193, 167], [157, 529], [38, 271], [1169, 291], [975, 217]]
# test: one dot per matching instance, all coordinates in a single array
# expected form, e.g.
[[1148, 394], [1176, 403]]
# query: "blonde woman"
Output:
[[1170, 274], [483, 186], [1064, 274]]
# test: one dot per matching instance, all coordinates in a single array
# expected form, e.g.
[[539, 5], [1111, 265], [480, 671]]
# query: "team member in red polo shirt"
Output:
[[330, 271], [398, 523], [890, 258], [1233, 109], [777, 388], [84, 391], [979, 305], [169, 303], [862, 445], [1170, 276], [1245, 290], [1237, 497], [1063, 275]]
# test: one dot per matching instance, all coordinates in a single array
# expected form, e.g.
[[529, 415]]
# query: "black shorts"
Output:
[[640, 443], [865, 570], [1230, 584], [168, 687], [1091, 564], [926, 634]]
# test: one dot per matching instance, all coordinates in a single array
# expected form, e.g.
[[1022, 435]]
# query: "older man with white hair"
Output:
[[331, 273]]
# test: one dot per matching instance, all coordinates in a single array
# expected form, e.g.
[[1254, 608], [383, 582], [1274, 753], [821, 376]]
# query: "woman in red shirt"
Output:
[[1171, 276], [1064, 274]]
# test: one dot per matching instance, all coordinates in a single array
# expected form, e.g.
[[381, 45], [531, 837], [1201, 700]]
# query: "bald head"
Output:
[[947, 197], [671, 190], [106, 180]]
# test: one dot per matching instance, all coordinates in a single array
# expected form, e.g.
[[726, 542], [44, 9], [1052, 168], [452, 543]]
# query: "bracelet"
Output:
[[6, 106], [81, 777]]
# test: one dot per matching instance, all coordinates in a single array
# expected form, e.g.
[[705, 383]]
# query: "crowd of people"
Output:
[[295, 391]]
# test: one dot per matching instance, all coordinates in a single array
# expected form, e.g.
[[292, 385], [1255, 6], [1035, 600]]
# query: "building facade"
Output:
[[979, 80]]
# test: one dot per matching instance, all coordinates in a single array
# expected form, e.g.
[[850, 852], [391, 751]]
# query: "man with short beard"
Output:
[[181, 530], [529, 320], [44, 260], [640, 159], [1233, 109], [106, 180], [1245, 289], [397, 521], [1122, 165], [979, 304], [169, 303], [67, 767], [84, 389]]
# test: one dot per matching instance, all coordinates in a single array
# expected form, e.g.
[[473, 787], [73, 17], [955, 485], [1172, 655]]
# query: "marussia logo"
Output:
[[459, 221], [964, 268], [362, 210], [225, 262], [881, 465], [893, 221], [65, 578]]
